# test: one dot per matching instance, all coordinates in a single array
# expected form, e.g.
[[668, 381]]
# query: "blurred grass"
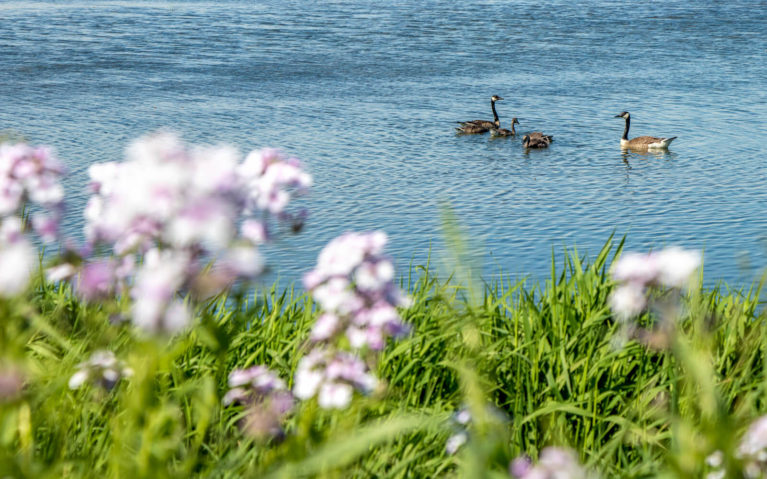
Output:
[[548, 357]]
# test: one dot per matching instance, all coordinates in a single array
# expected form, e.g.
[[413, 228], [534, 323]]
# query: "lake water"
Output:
[[367, 94]]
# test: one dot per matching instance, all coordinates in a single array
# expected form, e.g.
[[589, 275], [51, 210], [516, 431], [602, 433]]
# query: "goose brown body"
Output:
[[481, 126], [642, 142], [504, 131], [537, 135], [536, 140]]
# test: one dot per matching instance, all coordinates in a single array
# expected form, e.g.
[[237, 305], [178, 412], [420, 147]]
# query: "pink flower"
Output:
[[353, 282], [97, 280], [265, 397], [29, 172], [553, 462], [332, 377]]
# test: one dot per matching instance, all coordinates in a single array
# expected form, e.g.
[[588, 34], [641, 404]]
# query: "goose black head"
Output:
[[514, 120], [623, 114], [525, 140], [495, 98]]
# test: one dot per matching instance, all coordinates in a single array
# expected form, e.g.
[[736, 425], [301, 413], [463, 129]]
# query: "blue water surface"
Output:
[[367, 94]]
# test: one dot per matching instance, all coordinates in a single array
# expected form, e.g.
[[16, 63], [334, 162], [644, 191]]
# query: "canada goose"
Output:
[[496, 123], [504, 131], [538, 135], [536, 140], [642, 142], [471, 129]]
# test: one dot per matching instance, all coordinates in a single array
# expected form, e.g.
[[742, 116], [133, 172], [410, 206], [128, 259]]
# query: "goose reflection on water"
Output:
[[644, 154]]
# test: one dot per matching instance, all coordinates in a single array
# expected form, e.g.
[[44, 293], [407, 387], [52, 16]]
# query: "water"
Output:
[[367, 93]]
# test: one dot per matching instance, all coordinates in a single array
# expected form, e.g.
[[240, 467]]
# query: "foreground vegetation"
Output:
[[143, 352], [534, 365]]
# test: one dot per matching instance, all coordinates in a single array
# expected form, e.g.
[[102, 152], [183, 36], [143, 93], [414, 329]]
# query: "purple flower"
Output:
[[553, 462], [29, 173], [158, 279], [332, 377], [254, 231], [97, 280], [521, 466], [265, 397], [177, 207], [46, 227], [353, 284]]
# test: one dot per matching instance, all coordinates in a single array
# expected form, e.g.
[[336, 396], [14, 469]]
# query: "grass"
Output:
[[537, 365]]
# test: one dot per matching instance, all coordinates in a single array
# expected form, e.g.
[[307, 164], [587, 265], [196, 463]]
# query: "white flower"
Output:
[[455, 442], [627, 301], [638, 268], [306, 383], [335, 395], [677, 266], [78, 379], [17, 260]]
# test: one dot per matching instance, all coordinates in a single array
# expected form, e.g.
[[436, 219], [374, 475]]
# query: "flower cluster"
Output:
[[31, 175], [168, 194], [353, 284], [167, 210], [333, 377], [553, 463], [102, 369], [28, 175], [265, 397], [636, 273]]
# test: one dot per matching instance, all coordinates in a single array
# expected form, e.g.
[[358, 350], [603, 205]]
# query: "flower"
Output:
[[671, 267], [256, 381], [752, 449], [29, 173], [102, 368], [96, 280], [155, 306], [637, 268], [553, 462], [353, 284], [17, 260], [456, 441], [332, 377], [172, 209], [677, 266], [265, 397], [627, 301], [636, 273]]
